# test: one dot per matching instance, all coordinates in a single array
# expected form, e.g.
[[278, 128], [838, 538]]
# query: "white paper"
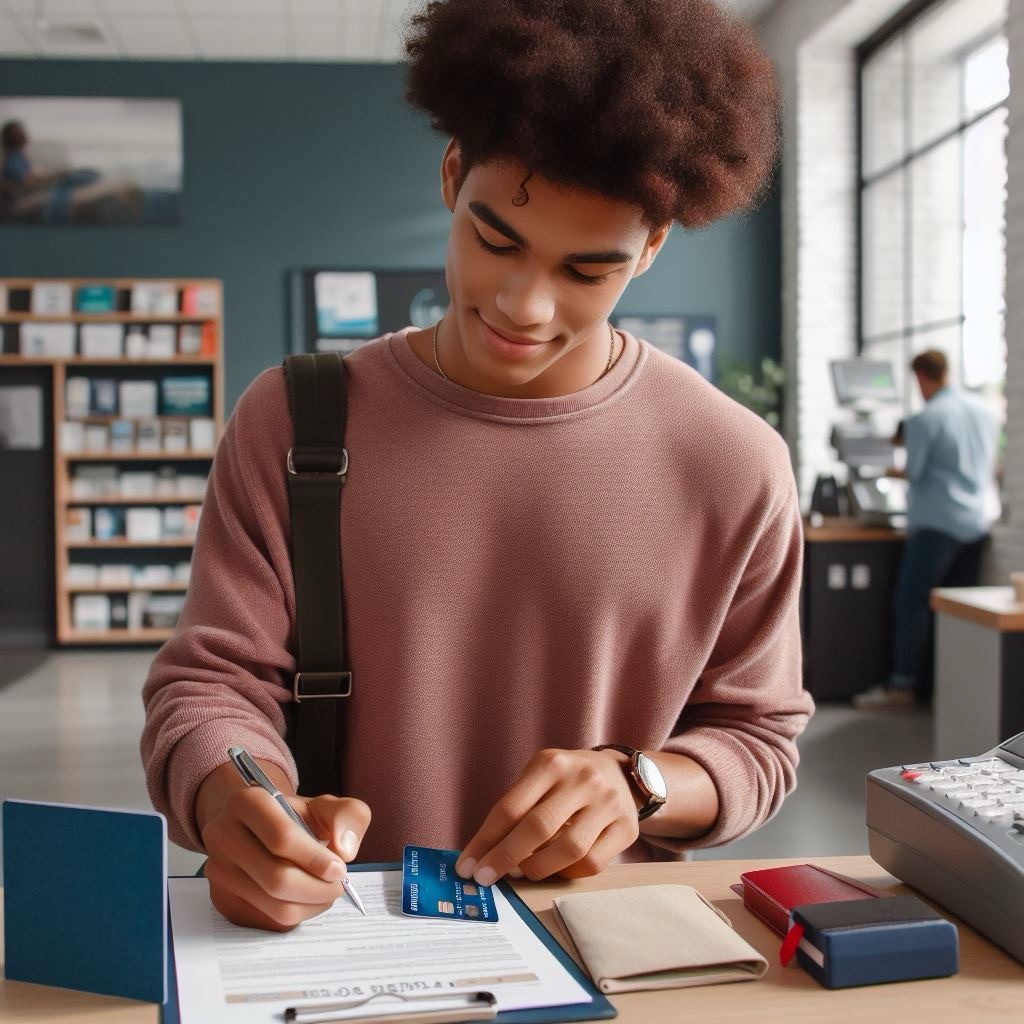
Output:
[[230, 975], [138, 398], [21, 417], [101, 341], [47, 341]]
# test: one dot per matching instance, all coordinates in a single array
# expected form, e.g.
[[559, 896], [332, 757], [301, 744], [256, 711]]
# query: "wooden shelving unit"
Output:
[[143, 603], [114, 317], [202, 456]]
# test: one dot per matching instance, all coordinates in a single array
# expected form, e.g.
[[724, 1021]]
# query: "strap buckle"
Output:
[[322, 685], [318, 460]]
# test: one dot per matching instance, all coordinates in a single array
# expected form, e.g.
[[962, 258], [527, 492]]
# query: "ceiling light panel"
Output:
[[79, 47], [155, 37], [58, 10], [358, 38], [247, 9], [256, 39], [360, 8], [139, 8], [14, 42], [316, 40], [309, 10]]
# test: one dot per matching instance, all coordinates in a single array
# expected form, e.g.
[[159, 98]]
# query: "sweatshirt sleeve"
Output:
[[223, 676], [743, 717]]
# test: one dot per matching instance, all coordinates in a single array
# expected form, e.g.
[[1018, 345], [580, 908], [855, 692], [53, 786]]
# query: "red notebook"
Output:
[[771, 893]]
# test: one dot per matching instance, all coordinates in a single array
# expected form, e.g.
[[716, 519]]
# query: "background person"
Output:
[[554, 536], [950, 466], [60, 196]]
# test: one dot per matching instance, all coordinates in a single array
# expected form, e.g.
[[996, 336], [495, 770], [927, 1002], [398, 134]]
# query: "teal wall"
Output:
[[291, 165]]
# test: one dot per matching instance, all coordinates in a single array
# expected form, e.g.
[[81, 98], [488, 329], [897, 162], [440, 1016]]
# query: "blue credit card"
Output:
[[431, 888]]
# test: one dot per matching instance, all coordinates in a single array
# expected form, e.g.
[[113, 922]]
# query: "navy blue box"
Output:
[[866, 942]]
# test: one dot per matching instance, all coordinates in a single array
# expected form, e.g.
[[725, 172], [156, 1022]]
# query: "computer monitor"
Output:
[[863, 381]]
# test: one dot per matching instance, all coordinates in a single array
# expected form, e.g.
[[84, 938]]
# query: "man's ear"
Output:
[[451, 174], [655, 240]]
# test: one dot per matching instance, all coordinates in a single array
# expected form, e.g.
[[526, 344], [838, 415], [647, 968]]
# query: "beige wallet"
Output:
[[655, 936]]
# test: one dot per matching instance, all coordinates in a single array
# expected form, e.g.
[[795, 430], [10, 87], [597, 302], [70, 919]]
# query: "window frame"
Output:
[[897, 27]]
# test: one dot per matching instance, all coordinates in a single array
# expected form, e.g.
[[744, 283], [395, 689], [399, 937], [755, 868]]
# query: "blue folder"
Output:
[[85, 898], [599, 1009]]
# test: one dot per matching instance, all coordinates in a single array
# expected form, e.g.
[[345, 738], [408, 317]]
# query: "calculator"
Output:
[[954, 830]]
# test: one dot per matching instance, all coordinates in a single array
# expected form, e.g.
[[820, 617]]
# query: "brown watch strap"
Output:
[[620, 747]]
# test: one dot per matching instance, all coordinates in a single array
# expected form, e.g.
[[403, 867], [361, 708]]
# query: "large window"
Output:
[[933, 88]]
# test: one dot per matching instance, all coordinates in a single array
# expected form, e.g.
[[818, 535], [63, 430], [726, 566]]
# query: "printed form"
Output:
[[232, 975]]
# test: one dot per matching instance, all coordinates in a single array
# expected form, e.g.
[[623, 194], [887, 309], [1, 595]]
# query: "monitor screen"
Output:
[[864, 380]]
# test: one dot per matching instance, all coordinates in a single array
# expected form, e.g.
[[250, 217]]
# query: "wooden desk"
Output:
[[994, 607], [842, 528], [988, 987], [979, 679]]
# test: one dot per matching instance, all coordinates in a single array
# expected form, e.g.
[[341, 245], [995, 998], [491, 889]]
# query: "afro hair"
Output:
[[667, 104]]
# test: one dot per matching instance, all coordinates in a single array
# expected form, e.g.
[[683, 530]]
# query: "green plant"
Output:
[[760, 390]]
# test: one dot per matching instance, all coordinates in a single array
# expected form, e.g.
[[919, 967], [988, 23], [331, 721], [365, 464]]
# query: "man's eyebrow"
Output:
[[489, 217], [612, 256]]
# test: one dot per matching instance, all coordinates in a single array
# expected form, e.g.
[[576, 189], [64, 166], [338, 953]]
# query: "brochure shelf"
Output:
[[137, 410]]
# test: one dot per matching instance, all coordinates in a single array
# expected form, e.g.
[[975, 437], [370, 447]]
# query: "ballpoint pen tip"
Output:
[[354, 897]]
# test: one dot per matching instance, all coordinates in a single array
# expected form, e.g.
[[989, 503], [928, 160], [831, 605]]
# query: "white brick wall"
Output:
[[1008, 546], [812, 44], [826, 296], [783, 33]]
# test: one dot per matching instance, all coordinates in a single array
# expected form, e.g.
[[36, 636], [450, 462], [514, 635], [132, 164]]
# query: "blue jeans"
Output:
[[930, 559]]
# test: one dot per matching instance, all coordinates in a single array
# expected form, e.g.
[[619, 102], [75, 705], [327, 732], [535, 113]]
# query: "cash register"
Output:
[[865, 387], [954, 829]]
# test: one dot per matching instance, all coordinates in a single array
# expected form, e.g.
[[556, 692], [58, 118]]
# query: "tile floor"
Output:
[[69, 733]]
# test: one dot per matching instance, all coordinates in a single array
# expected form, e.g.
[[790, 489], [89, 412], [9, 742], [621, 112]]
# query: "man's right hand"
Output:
[[264, 871]]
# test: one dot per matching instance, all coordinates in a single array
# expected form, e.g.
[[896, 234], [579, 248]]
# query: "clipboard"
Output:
[[600, 1008]]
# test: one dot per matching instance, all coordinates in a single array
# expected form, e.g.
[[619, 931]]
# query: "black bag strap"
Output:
[[316, 467]]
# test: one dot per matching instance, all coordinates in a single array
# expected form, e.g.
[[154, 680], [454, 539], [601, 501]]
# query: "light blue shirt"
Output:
[[951, 451]]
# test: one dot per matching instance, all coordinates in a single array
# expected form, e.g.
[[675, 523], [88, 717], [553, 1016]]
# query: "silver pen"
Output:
[[255, 776]]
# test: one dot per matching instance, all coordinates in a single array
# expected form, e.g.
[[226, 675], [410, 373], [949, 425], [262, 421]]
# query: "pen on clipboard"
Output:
[[255, 776], [384, 1007]]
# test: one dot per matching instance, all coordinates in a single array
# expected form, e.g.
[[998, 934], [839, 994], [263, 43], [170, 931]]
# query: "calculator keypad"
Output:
[[991, 790]]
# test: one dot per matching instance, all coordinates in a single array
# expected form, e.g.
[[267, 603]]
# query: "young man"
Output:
[[555, 538], [951, 453]]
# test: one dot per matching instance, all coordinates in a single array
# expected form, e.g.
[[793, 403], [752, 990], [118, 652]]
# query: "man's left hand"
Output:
[[570, 813]]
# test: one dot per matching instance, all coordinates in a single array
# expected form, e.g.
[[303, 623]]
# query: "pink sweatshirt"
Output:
[[617, 565]]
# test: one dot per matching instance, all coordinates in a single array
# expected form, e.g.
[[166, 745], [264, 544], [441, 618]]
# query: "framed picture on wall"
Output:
[[337, 310], [83, 160], [691, 339]]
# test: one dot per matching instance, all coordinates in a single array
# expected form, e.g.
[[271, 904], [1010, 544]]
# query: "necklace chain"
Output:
[[436, 361], [611, 351]]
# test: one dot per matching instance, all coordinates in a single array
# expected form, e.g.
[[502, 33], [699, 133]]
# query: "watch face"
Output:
[[650, 776]]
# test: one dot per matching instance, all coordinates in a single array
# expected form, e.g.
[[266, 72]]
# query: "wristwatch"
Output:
[[644, 776]]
